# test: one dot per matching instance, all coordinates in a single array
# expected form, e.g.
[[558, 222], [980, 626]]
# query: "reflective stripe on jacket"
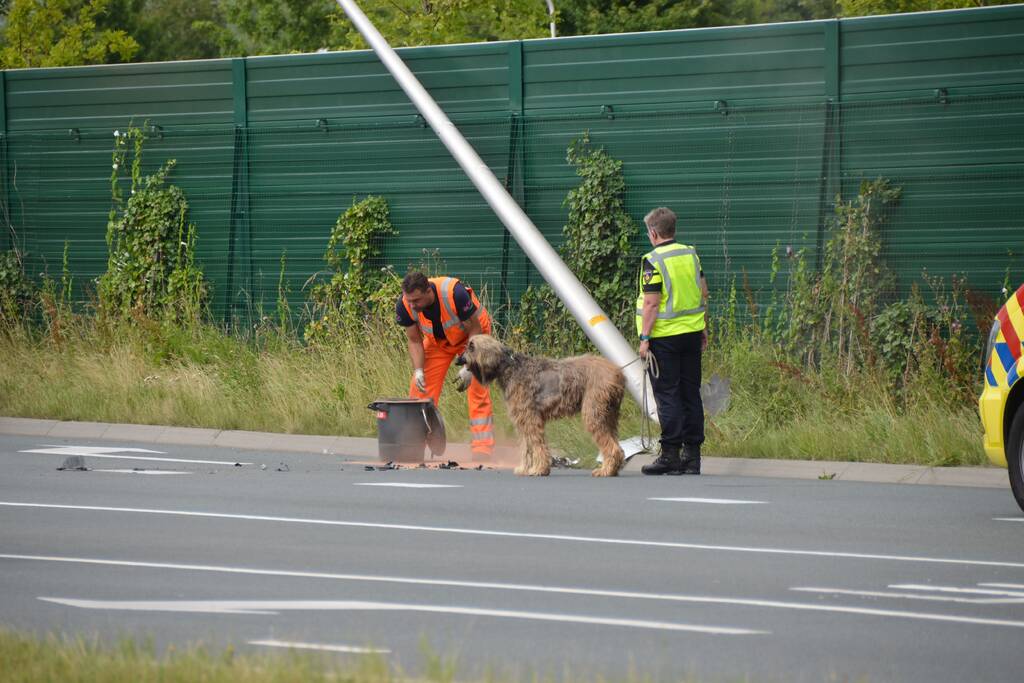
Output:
[[680, 309], [450, 323]]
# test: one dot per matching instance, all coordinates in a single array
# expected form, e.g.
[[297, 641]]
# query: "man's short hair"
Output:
[[415, 281], [662, 221]]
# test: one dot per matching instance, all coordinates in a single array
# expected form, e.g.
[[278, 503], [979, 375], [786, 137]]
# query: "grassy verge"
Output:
[[27, 659], [201, 377]]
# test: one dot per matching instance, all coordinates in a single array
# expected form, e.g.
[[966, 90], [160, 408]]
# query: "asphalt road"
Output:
[[718, 578]]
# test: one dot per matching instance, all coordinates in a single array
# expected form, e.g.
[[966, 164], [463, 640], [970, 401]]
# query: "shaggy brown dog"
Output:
[[539, 389]]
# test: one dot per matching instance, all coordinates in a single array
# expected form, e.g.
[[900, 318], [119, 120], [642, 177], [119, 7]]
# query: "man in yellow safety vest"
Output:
[[670, 319]]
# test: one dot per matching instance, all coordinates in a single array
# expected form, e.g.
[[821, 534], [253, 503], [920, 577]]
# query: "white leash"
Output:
[[650, 368]]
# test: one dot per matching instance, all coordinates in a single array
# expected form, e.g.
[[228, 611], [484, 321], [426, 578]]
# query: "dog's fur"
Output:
[[539, 389]]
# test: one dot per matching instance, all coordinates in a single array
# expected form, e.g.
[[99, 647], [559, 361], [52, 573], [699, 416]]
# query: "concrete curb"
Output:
[[361, 447]]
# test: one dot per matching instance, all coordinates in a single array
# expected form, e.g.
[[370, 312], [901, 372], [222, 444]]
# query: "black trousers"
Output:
[[677, 390]]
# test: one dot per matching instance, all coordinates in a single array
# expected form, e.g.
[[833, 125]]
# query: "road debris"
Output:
[[75, 463]]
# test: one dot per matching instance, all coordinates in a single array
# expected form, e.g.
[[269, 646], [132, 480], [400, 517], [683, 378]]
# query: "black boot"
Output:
[[666, 463], [691, 459]]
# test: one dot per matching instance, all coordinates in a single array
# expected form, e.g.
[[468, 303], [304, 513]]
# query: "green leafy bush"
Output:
[[596, 249], [357, 293], [15, 289], [151, 268]]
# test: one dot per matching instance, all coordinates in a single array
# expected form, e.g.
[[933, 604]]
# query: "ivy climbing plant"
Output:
[[356, 290], [151, 267], [596, 248]]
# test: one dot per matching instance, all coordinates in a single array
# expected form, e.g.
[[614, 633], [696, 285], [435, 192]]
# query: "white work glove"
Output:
[[464, 379], [420, 379]]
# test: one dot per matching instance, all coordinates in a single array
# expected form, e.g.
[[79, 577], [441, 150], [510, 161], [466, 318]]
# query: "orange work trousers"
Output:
[[438, 358]]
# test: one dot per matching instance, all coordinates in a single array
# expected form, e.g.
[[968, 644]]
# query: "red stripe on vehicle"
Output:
[[1009, 334]]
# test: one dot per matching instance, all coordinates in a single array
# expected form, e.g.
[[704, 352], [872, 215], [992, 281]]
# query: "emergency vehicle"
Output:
[[1002, 401]]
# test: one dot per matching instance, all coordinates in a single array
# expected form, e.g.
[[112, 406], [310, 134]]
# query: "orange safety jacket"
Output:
[[454, 329]]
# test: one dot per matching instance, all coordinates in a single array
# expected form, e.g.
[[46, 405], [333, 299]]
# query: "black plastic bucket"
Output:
[[405, 426]]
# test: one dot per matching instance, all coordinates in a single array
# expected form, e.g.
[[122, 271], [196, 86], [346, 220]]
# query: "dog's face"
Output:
[[485, 356]]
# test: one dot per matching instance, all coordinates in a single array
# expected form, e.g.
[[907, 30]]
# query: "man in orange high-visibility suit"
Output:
[[439, 315]]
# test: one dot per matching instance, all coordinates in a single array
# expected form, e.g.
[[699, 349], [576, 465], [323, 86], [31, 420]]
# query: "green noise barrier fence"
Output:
[[749, 133]]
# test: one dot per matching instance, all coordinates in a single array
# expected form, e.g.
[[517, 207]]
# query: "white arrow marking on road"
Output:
[[274, 606], [521, 534], [909, 596], [87, 450], [413, 486], [563, 590], [326, 647], [713, 501], [104, 452], [142, 471]]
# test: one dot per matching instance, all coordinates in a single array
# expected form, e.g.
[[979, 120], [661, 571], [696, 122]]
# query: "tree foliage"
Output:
[[38, 33], [860, 8], [435, 22], [168, 30], [259, 27], [68, 32]]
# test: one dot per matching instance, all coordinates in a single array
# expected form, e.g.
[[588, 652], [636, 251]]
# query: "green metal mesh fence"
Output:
[[745, 180]]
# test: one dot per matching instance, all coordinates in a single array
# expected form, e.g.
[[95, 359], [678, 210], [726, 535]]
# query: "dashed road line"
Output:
[[141, 471], [906, 596], [275, 606], [405, 485], [324, 647], [712, 501], [565, 590], [525, 535], [954, 589]]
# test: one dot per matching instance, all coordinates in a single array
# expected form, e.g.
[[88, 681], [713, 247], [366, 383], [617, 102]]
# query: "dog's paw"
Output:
[[520, 471], [602, 472], [539, 472]]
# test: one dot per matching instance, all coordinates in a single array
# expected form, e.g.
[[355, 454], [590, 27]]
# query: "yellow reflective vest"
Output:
[[681, 308]]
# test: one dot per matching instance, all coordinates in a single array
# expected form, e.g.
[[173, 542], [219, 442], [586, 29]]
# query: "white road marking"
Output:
[[1009, 519], [954, 589], [274, 606], [908, 596], [520, 534], [713, 501], [564, 590], [1003, 585], [105, 452], [412, 486], [87, 450], [142, 471], [326, 647]]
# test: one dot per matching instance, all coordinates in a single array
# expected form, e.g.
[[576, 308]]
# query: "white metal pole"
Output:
[[551, 14], [573, 294]]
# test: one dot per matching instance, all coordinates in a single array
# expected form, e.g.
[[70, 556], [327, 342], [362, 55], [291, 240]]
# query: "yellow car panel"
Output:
[[1001, 404]]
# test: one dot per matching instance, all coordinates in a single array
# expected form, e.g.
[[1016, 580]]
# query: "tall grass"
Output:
[[27, 659], [199, 376]]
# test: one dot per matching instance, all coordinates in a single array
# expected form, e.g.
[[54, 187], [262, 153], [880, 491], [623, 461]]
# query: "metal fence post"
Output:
[[831, 142], [513, 179], [7, 240], [239, 219]]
